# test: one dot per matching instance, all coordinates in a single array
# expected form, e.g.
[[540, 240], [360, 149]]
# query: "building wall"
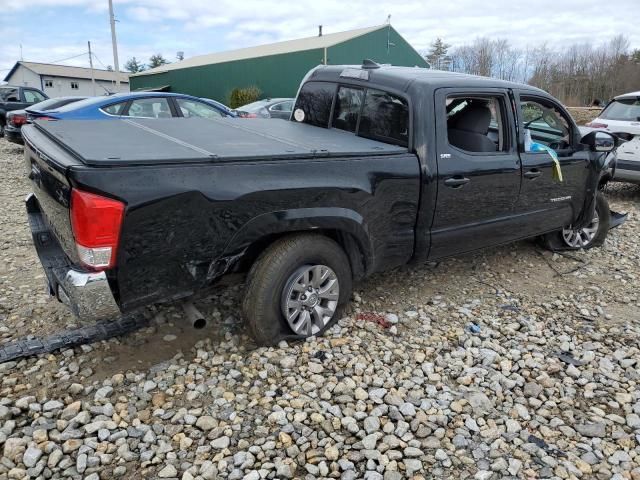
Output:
[[25, 77], [275, 76], [61, 85], [373, 46], [280, 75]]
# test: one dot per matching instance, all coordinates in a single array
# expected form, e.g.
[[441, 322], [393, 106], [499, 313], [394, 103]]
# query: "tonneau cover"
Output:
[[139, 141]]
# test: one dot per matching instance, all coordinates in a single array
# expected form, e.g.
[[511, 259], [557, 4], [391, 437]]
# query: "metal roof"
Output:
[[301, 44], [53, 70]]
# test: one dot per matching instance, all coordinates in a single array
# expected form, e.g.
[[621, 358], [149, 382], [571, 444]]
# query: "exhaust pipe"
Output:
[[194, 316]]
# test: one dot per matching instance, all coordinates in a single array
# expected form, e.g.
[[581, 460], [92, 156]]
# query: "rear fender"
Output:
[[303, 220]]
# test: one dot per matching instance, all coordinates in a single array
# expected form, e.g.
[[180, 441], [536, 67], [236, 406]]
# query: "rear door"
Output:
[[549, 203], [478, 170]]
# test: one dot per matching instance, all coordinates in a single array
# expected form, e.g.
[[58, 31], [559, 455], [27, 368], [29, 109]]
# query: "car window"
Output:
[[191, 108], [347, 109], [477, 124], [114, 108], [385, 117], [149, 108], [9, 94], [32, 96], [282, 106], [313, 105], [625, 109], [545, 123]]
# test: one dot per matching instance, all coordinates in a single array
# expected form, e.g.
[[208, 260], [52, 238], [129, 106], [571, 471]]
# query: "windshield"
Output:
[[623, 109]]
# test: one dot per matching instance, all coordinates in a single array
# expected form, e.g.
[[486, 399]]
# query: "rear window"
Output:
[[347, 109], [624, 109], [9, 94]]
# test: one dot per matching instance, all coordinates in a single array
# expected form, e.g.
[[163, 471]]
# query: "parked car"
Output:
[[140, 105], [17, 118], [17, 98], [379, 167], [622, 115], [268, 108]]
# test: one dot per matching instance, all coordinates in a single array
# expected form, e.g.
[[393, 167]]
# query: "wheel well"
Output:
[[347, 241]]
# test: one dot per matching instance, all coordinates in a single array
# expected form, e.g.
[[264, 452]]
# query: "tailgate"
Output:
[[46, 165]]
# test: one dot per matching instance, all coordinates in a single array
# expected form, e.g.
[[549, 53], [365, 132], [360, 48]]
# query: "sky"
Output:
[[51, 31]]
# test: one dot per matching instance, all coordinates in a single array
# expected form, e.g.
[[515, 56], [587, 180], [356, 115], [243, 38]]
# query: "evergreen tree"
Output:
[[437, 55], [157, 60], [134, 66]]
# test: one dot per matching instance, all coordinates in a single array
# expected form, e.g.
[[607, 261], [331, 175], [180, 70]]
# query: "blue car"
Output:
[[140, 105]]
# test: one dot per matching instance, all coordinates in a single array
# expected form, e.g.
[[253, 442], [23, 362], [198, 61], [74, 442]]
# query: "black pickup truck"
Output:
[[379, 166], [17, 98]]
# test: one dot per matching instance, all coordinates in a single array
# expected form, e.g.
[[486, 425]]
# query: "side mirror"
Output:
[[600, 141]]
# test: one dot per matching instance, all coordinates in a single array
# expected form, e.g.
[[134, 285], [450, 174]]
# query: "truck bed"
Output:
[[143, 141]]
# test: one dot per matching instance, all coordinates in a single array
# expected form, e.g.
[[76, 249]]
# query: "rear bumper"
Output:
[[87, 294], [13, 134]]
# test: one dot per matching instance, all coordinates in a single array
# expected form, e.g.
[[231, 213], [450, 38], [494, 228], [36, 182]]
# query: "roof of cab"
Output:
[[400, 78]]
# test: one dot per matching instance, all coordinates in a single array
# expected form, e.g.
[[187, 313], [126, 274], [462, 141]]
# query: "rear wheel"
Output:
[[296, 288], [589, 236]]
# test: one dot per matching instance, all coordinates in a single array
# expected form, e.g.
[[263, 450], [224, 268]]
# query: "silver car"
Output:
[[622, 115]]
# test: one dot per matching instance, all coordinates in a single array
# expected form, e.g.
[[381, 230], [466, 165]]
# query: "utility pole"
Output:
[[93, 80], [116, 65]]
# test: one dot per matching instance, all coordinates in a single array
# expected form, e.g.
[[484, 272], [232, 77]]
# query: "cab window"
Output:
[[33, 96], [385, 117], [347, 109], [544, 123], [477, 124]]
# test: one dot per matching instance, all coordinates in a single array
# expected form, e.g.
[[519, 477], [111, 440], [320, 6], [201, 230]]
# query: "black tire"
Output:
[[269, 274], [555, 241]]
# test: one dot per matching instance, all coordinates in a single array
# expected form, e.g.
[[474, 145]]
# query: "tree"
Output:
[[437, 55], [180, 56], [109, 68], [157, 60], [134, 66]]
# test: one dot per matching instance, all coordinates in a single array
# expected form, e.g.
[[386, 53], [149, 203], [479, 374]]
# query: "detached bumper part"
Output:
[[87, 294], [617, 219]]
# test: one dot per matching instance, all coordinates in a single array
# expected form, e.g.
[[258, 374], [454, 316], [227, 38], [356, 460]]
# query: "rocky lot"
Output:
[[508, 363]]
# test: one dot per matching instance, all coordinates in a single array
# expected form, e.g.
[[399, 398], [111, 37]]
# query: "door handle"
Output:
[[456, 182], [533, 173]]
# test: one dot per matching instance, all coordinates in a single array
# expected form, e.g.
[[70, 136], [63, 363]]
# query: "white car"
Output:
[[622, 115]]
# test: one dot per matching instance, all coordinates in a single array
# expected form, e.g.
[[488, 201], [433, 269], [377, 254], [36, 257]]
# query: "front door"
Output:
[[549, 203], [479, 172]]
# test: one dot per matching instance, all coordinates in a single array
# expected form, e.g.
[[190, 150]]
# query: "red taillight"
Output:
[[597, 125], [18, 120], [96, 223]]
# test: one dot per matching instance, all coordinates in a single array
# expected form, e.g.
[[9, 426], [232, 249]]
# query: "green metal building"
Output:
[[277, 68]]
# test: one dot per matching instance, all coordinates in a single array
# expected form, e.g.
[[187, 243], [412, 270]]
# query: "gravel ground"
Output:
[[508, 363]]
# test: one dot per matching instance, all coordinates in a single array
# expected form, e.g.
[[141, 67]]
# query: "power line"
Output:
[[69, 58]]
